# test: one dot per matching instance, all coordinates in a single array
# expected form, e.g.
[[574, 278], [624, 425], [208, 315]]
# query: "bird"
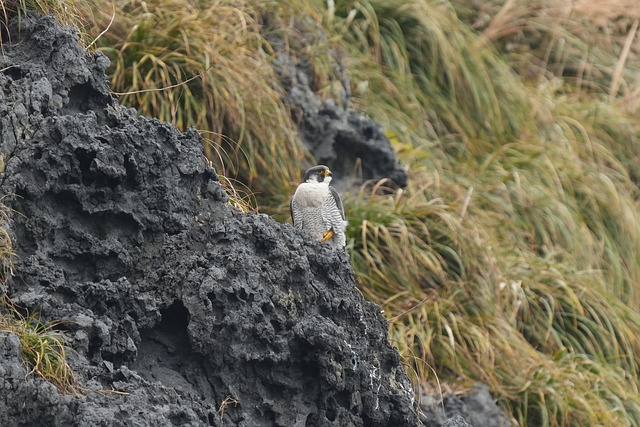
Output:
[[316, 208]]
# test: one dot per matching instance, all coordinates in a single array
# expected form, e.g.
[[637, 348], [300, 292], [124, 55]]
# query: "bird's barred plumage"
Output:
[[316, 208]]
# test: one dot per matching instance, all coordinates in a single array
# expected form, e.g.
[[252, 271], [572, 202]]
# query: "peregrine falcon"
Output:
[[317, 210]]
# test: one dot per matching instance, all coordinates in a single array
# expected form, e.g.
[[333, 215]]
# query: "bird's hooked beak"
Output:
[[327, 176]]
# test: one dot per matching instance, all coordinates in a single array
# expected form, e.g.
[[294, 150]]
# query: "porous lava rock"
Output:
[[178, 309]]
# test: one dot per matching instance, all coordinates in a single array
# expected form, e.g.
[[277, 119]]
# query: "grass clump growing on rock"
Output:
[[41, 346]]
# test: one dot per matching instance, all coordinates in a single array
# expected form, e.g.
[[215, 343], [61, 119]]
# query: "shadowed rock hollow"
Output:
[[196, 313]]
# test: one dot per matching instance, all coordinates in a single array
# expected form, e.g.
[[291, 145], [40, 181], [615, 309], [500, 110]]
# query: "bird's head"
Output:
[[318, 173]]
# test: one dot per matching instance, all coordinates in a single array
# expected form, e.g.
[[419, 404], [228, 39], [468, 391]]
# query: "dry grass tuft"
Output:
[[7, 254], [42, 347]]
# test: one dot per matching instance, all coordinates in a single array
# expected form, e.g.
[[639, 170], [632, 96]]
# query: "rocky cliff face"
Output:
[[193, 313]]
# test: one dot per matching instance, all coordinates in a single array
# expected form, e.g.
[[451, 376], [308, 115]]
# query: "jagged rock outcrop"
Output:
[[354, 146], [194, 313]]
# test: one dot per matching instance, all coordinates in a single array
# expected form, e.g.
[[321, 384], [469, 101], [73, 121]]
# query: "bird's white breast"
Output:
[[311, 195]]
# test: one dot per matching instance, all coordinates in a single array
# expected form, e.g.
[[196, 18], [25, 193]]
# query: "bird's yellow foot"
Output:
[[327, 235]]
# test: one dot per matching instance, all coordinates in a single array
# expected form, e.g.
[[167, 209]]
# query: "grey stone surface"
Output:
[[482, 409], [456, 421], [354, 146], [193, 313], [475, 407]]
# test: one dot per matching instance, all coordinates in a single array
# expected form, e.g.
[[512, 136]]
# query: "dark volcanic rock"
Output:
[[475, 407], [351, 144], [195, 313]]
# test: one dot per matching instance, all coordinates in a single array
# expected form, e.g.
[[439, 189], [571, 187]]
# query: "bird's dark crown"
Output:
[[319, 172]]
